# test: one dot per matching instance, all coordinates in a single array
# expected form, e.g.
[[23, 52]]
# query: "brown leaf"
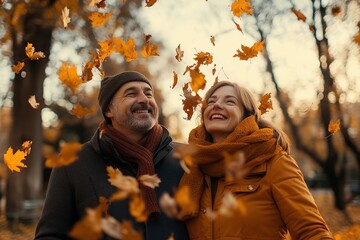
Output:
[[17, 68], [179, 54], [300, 16], [265, 103], [175, 80], [80, 111]]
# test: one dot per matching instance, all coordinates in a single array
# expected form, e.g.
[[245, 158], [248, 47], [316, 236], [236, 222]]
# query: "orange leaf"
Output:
[[13, 161], [127, 185], [69, 77], [250, 52], [98, 19], [149, 50], [197, 80], [237, 26], [203, 58], [168, 205], [30, 52], [89, 227], [26, 147], [92, 3], [334, 127], [175, 80], [33, 102], [179, 54], [182, 198], [265, 103], [300, 16], [67, 155], [80, 111], [129, 51], [238, 7], [128, 232], [65, 19], [149, 3], [106, 48], [137, 208], [17, 68]]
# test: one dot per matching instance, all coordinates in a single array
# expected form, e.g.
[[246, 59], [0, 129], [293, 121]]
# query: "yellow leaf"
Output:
[[151, 181], [98, 19], [197, 80], [69, 77], [137, 208], [265, 103], [65, 19], [149, 50], [33, 102], [300, 16], [80, 111], [334, 127], [26, 147], [13, 161], [129, 51], [238, 7], [89, 227], [17, 68], [30, 52]]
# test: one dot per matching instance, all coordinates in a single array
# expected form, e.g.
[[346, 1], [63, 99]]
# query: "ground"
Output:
[[337, 222]]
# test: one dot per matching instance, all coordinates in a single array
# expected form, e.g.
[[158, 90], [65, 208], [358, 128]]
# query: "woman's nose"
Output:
[[217, 105]]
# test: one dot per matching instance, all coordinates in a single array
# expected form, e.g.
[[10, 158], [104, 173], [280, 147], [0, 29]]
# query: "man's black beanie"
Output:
[[110, 85]]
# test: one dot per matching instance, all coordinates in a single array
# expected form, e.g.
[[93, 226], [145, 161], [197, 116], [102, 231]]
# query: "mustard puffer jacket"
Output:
[[276, 201]]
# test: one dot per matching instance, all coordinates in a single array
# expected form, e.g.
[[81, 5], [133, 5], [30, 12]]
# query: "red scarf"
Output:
[[142, 154]]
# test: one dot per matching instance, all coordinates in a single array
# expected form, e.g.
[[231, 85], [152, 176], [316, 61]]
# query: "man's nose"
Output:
[[142, 98]]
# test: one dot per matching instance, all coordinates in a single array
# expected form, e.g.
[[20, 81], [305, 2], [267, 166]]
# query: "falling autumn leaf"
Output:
[[183, 200], [98, 19], [67, 155], [190, 102], [111, 227], [149, 3], [179, 54], [30, 52], [137, 208], [89, 227], [128, 231], [65, 19], [149, 50], [26, 147], [203, 58], [238, 7], [151, 181], [334, 127], [250, 52], [129, 51], [92, 3], [300, 16], [17, 68], [33, 102], [69, 77], [14, 161], [212, 40], [80, 111], [168, 205], [237, 26], [175, 79], [265, 103], [126, 185]]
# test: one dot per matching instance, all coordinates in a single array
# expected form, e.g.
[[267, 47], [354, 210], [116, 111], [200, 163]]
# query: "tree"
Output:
[[333, 163], [38, 22]]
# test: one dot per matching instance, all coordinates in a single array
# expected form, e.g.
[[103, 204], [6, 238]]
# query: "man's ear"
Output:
[[108, 113]]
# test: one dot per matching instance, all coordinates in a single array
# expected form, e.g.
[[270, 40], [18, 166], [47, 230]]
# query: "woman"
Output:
[[275, 200]]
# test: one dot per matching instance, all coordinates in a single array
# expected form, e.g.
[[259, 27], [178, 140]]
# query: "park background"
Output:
[[309, 63]]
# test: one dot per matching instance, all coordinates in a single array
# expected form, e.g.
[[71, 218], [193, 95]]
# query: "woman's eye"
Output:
[[210, 102]]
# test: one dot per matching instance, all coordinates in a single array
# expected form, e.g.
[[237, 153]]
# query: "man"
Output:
[[129, 139]]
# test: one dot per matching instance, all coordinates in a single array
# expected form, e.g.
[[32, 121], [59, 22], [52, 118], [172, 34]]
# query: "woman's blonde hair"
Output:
[[249, 106]]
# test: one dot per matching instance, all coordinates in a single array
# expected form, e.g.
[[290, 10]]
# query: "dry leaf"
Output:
[[129, 232], [17, 68], [168, 205], [237, 26], [265, 103], [250, 52], [197, 80], [67, 155], [203, 58], [30, 52], [89, 227], [334, 127], [65, 19], [175, 79], [14, 161], [190, 102], [80, 111], [33, 102], [26, 147], [335, 11], [98, 19], [212, 40], [149, 3], [127, 185], [179, 54], [111, 227], [357, 39], [92, 3], [238, 7], [300, 16], [151, 181], [68, 76], [149, 50], [137, 208]]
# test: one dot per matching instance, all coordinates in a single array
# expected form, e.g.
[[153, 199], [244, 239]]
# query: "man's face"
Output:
[[133, 109]]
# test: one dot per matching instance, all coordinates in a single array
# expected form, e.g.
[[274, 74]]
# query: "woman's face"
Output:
[[222, 113]]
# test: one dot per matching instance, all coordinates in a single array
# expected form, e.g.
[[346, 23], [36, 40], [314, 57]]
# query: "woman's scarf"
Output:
[[141, 153], [257, 145]]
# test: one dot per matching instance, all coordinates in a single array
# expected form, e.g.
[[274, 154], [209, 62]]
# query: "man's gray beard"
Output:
[[144, 124]]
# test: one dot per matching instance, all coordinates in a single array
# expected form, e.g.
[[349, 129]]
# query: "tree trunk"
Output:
[[24, 189]]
